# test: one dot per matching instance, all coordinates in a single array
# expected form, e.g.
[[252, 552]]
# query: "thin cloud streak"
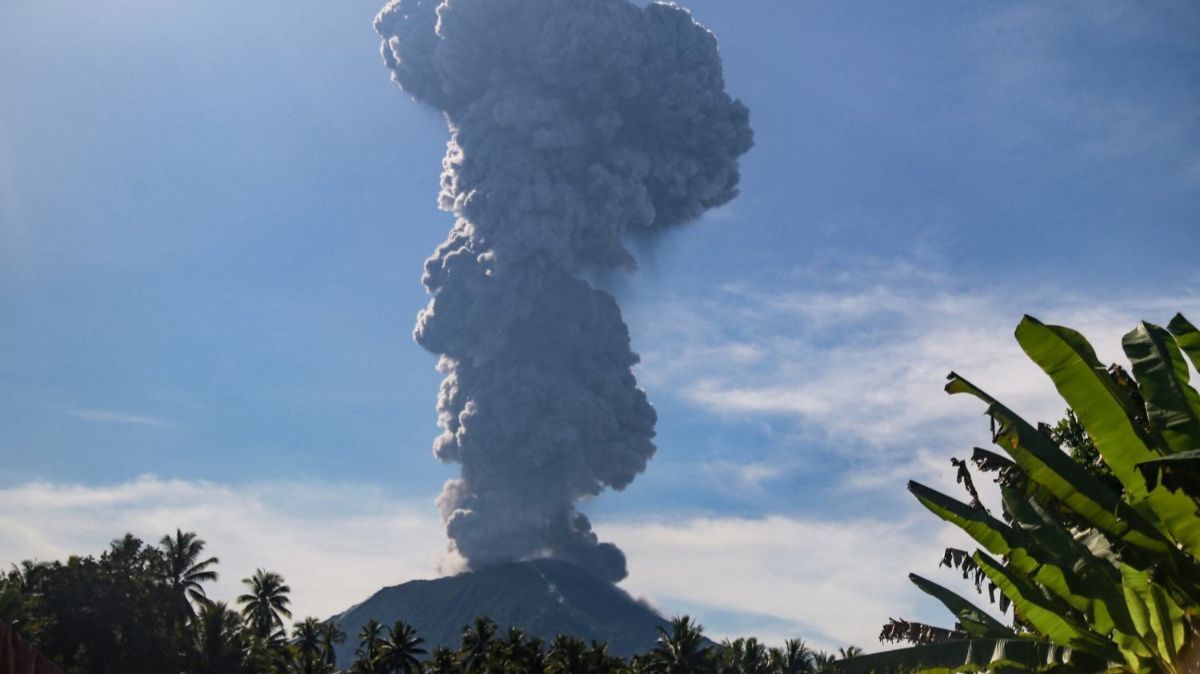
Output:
[[114, 417]]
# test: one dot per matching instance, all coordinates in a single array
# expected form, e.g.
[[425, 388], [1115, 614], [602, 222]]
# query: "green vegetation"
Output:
[[1097, 546], [143, 609]]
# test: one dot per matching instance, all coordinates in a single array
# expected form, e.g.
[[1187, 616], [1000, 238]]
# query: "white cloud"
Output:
[[109, 416], [334, 544], [865, 362], [923, 466], [741, 479], [836, 582]]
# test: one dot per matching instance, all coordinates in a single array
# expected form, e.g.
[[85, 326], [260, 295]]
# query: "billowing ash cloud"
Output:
[[573, 122]]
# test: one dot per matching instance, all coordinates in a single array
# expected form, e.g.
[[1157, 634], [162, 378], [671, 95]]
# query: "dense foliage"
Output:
[[140, 608], [1097, 544]]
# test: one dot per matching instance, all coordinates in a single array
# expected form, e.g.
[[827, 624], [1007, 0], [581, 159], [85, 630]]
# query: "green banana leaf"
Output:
[[1188, 338], [974, 620], [1082, 380], [1051, 564], [1044, 615], [1172, 406], [990, 532], [1050, 467], [989, 461], [1009, 474], [1159, 620], [970, 655], [1089, 583], [1110, 420], [1179, 471]]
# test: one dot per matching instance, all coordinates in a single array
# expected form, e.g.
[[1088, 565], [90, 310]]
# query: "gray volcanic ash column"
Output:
[[573, 122]]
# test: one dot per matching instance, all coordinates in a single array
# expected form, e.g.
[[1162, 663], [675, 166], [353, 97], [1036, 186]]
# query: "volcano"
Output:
[[544, 597]]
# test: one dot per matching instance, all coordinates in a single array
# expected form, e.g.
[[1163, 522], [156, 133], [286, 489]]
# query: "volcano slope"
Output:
[[544, 597]]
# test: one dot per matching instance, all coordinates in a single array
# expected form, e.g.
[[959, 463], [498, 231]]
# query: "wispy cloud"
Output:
[[740, 479], [114, 417], [862, 358]]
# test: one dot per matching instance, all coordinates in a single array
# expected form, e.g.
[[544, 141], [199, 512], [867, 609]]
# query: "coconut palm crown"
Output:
[[266, 605], [184, 570]]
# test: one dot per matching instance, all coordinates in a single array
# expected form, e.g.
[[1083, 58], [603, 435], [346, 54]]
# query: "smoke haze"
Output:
[[573, 123]]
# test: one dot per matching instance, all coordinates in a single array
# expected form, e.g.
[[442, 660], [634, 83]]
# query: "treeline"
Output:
[[140, 608], [682, 648]]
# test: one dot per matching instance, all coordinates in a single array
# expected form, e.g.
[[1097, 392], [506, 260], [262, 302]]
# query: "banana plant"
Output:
[[1099, 579]]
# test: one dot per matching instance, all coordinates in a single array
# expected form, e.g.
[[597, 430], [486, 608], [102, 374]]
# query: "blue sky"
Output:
[[213, 217]]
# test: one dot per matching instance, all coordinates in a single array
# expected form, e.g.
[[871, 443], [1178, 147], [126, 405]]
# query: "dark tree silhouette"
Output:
[[331, 636], [681, 650], [400, 651], [476, 639], [266, 604], [185, 571], [218, 642]]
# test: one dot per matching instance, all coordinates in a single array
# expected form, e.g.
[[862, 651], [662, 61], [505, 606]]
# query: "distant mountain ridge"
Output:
[[544, 597]]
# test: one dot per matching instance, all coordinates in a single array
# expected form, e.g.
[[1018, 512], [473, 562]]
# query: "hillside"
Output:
[[543, 597]]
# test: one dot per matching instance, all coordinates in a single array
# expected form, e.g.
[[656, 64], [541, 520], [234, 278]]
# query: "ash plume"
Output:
[[572, 123]]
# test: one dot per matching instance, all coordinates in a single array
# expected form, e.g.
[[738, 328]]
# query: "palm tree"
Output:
[[127, 546], [476, 638], [512, 649], [442, 661], [266, 605], [369, 639], [270, 654], [520, 653], [17, 590], [600, 661], [849, 652], [681, 650], [794, 658], [217, 639], [331, 636], [184, 571], [754, 658], [399, 651], [822, 659], [25, 576], [729, 656], [640, 664], [567, 655], [306, 639], [533, 659]]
